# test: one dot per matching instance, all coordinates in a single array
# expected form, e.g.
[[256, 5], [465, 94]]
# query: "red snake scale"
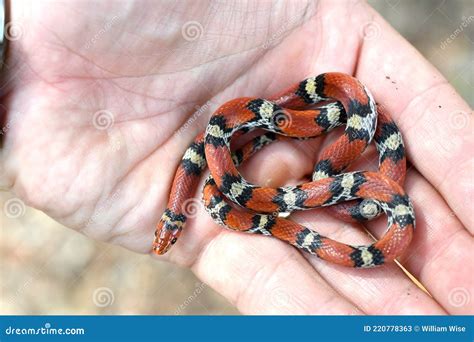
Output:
[[310, 108]]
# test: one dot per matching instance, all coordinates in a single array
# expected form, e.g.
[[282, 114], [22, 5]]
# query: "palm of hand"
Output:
[[105, 105], [99, 117]]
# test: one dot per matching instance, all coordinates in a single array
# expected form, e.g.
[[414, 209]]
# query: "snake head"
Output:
[[166, 235]]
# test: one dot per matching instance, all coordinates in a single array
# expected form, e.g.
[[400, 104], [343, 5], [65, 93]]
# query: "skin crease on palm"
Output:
[[142, 71]]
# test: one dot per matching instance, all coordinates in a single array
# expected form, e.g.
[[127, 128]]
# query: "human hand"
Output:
[[139, 67]]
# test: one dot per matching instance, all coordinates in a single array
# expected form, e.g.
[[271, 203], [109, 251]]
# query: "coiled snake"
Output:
[[308, 109]]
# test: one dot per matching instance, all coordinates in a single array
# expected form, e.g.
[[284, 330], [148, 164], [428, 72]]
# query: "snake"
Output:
[[308, 109]]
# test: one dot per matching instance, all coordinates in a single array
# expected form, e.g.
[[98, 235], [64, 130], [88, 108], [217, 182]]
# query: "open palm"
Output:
[[104, 97]]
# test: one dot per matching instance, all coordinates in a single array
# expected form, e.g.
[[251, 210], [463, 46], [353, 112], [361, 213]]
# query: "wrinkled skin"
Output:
[[129, 62]]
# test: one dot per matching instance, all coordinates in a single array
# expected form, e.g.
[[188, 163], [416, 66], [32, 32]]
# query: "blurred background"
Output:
[[63, 272]]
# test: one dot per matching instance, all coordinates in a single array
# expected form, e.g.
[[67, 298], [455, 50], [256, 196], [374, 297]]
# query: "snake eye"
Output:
[[174, 241]]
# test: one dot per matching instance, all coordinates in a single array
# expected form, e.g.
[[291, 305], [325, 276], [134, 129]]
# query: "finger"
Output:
[[442, 250], [384, 290], [259, 275], [378, 291], [434, 120], [262, 275]]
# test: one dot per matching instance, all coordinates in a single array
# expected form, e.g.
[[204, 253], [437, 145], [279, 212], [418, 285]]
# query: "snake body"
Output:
[[308, 109]]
